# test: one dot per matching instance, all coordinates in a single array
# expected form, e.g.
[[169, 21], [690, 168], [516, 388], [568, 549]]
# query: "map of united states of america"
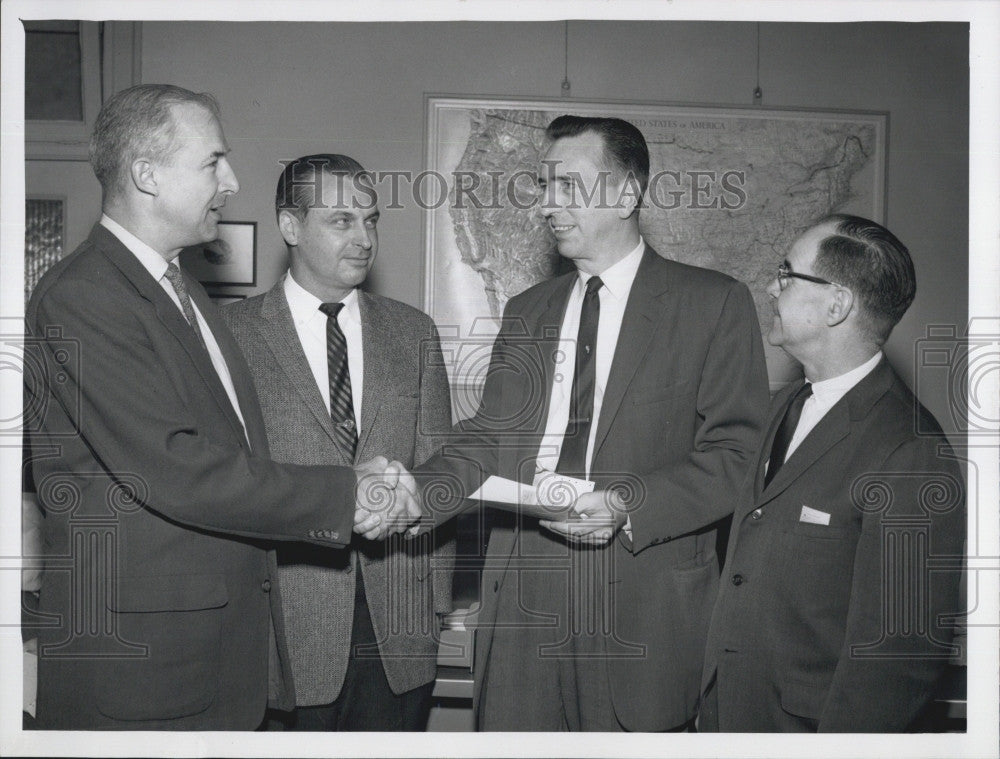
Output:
[[727, 192]]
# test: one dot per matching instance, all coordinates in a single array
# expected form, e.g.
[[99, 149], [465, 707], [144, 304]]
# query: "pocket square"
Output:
[[814, 516]]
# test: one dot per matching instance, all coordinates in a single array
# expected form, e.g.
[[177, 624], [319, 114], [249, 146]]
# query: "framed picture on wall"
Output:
[[729, 189], [224, 299], [230, 259]]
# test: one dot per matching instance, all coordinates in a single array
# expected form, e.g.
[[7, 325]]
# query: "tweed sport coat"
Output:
[[405, 408]]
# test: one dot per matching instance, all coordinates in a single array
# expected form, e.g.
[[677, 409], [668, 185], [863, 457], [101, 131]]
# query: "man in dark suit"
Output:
[[150, 456], [360, 623], [602, 626], [828, 617]]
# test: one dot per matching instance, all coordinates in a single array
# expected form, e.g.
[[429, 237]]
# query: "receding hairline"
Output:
[[178, 122]]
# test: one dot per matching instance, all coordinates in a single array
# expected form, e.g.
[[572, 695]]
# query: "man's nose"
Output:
[[547, 204], [228, 183]]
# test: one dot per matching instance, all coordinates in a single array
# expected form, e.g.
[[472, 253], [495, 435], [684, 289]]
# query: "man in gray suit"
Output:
[[342, 373], [833, 616], [602, 626]]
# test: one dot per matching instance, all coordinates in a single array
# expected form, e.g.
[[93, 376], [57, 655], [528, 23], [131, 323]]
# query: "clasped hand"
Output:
[[596, 518], [386, 499]]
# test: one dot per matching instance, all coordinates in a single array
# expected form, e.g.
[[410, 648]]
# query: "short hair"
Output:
[[299, 182], [625, 151], [867, 258], [135, 123]]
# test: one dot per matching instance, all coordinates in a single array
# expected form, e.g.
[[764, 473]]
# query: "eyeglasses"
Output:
[[785, 273]]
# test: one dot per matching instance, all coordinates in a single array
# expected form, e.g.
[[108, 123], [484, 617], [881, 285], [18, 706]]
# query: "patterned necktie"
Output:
[[175, 278], [573, 454], [783, 437], [341, 401]]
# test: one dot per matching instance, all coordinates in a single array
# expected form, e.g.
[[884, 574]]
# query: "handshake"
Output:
[[386, 499]]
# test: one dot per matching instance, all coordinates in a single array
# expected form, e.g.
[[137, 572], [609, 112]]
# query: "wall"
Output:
[[291, 89], [73, 181]]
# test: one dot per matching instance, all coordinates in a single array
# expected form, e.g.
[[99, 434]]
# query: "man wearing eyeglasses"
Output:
[[828, 618]]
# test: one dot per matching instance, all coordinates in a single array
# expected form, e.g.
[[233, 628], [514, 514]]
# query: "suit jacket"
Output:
[[158, 579], [841, 627], [684, 404], [406, 408]]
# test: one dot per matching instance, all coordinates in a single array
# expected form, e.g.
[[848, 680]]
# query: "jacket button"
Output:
[[756, 514], [737, 579], [266, 586]]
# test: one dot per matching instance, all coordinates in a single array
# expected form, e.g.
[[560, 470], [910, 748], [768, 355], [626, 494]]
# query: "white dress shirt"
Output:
[[310, 324], [613, 297], [824, 397], [156, 265]]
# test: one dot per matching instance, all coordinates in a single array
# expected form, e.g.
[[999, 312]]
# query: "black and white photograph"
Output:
[[575, 379], [229, 259]]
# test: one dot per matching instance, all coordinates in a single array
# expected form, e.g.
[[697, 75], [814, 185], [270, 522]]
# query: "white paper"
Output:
[[550, 497], [814, 516], [502, 490]]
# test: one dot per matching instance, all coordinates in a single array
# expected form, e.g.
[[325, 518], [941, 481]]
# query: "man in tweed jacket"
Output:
[[361, 624]]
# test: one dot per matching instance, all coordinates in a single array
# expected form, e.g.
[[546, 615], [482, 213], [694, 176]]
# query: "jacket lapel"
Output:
[[832, 428], [171, 317], [279, 333], [239, 372], [643, 311], [545, 332], [377, 344], [778, 407]]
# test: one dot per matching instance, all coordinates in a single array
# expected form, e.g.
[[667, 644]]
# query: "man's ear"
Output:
[[288, 225], [143, 175], [840, 307], [629, 197]]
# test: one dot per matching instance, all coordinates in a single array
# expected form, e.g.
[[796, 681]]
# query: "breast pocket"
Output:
[[820, 531], [177, 621]]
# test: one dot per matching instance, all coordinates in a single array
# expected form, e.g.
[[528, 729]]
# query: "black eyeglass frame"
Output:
[[785, 272]]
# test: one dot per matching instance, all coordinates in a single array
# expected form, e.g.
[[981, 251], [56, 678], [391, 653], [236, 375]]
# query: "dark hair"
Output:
[[867, 258], [625, 150], [300, 186], [138, 123]]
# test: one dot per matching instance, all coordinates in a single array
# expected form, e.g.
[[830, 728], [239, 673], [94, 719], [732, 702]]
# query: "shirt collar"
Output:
[[838, 386], [618, 277], [152, 261], [305, 306]]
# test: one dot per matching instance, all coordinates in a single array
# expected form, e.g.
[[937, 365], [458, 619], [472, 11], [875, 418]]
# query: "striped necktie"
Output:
[[176, 279], [341, 400]]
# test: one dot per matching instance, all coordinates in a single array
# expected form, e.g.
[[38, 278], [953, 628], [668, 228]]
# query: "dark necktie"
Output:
[[341, 401], [176, 279], [573, 454], [783, 437]]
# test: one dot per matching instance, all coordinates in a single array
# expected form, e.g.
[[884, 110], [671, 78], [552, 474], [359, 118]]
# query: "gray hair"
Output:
[[137, 123]]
